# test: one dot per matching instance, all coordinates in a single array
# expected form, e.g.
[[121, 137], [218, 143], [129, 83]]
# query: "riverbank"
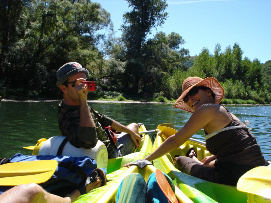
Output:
[[90, 101], [121, 99], [116, 101]]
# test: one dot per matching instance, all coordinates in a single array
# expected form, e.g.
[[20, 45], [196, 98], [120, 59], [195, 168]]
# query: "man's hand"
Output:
[[82, 90], [136, 139]]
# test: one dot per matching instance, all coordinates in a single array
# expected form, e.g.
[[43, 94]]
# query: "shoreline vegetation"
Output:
[[160, 100], [141, 65]]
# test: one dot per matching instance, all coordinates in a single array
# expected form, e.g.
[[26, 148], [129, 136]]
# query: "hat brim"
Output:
[[71, 73], [209, 82]]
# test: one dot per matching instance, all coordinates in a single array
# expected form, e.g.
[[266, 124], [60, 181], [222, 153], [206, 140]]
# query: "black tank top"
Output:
[[235, 145]]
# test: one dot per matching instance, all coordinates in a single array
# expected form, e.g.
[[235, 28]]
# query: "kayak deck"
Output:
[[116, 172], [217, 192], [101, 195]]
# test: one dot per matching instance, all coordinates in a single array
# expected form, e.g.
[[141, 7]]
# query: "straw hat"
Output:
[[191, 82]]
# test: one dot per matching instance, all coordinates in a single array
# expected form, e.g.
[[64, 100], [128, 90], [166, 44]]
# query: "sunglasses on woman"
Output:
[[194, 91]]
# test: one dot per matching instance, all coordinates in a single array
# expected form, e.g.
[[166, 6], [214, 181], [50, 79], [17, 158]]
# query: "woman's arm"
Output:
[[199, 119]]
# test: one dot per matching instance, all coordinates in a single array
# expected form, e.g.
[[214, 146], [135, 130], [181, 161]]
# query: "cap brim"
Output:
[[71, 73]]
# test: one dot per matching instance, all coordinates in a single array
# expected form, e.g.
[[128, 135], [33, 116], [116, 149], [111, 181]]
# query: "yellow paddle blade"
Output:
[[256, 181], [171, 125], [30, 148], [27, 172], [37, 147], [167, 131]]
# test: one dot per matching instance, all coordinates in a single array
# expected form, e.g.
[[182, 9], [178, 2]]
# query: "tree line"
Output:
[[37, 37]]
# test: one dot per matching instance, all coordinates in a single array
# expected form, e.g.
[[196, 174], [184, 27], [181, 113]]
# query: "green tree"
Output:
[[144, 16], [267, 74], [241, 78], [138, 23], [10, 26], [204, 63], [237, 69], [162, 55], [52, 33]]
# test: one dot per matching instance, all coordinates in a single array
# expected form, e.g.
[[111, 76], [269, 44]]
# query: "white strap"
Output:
[[223, 129]]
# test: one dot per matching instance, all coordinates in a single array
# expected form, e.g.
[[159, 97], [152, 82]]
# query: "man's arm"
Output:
[[86, 132], [121, 128]]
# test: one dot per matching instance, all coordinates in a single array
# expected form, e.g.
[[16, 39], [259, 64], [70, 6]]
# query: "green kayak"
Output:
[[217, 192]]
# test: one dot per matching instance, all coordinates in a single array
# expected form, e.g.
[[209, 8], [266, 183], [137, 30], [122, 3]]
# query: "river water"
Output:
[[23, 123]]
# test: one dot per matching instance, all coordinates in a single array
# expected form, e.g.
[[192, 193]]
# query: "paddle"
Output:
[[17, 173], [39, 142], [29, 147], [32, 148], [146, 132], [256, 181], [167, 131], [165, 186]]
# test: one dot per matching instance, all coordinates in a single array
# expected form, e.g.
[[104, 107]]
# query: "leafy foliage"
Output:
[[138, 23], [37, 37], [267, 75], [48, 34], [241, 79]]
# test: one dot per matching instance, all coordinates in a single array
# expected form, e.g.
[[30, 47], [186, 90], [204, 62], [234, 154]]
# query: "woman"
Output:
[[233, 146]]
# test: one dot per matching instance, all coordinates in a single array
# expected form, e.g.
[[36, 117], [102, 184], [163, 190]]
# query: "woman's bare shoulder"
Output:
[[210, 107], [212, 111]]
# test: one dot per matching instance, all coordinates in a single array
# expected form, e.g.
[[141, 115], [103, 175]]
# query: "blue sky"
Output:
[[205, 23]]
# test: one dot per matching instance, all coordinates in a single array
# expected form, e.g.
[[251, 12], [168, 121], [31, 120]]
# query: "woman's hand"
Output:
[[208, 160], [141, 163], [128, 165]]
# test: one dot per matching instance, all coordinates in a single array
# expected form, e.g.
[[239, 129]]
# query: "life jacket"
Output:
[[71, 172], [60, 146]]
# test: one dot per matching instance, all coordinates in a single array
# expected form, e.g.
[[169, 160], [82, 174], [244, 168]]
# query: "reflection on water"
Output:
[[23, 123]]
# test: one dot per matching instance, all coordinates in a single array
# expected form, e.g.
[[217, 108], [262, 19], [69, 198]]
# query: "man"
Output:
[[83, 125]]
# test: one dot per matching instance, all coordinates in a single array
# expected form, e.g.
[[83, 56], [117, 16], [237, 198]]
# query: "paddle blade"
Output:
[[256, 181], [167, 131], [165, 187], [27, 172], [30, 148]]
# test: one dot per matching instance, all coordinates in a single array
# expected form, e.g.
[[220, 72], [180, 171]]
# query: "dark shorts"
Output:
[[126, 145], [192, 167], [223, 173]]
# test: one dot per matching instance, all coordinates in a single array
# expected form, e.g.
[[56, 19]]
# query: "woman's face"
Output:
[[197, 96]]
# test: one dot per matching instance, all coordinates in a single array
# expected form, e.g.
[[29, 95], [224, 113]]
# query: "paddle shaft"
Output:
[[146, 132]]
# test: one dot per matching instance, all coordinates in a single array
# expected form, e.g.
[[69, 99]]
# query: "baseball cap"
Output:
[[68, 70]]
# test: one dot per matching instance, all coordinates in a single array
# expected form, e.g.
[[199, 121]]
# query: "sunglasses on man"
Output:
[[91, 84]]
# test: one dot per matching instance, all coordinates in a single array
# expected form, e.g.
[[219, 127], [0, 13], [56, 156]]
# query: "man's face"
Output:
[[69, 91]]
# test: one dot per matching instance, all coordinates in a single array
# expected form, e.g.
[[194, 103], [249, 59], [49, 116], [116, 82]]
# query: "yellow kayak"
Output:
[[215, 192], [108, 193]]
